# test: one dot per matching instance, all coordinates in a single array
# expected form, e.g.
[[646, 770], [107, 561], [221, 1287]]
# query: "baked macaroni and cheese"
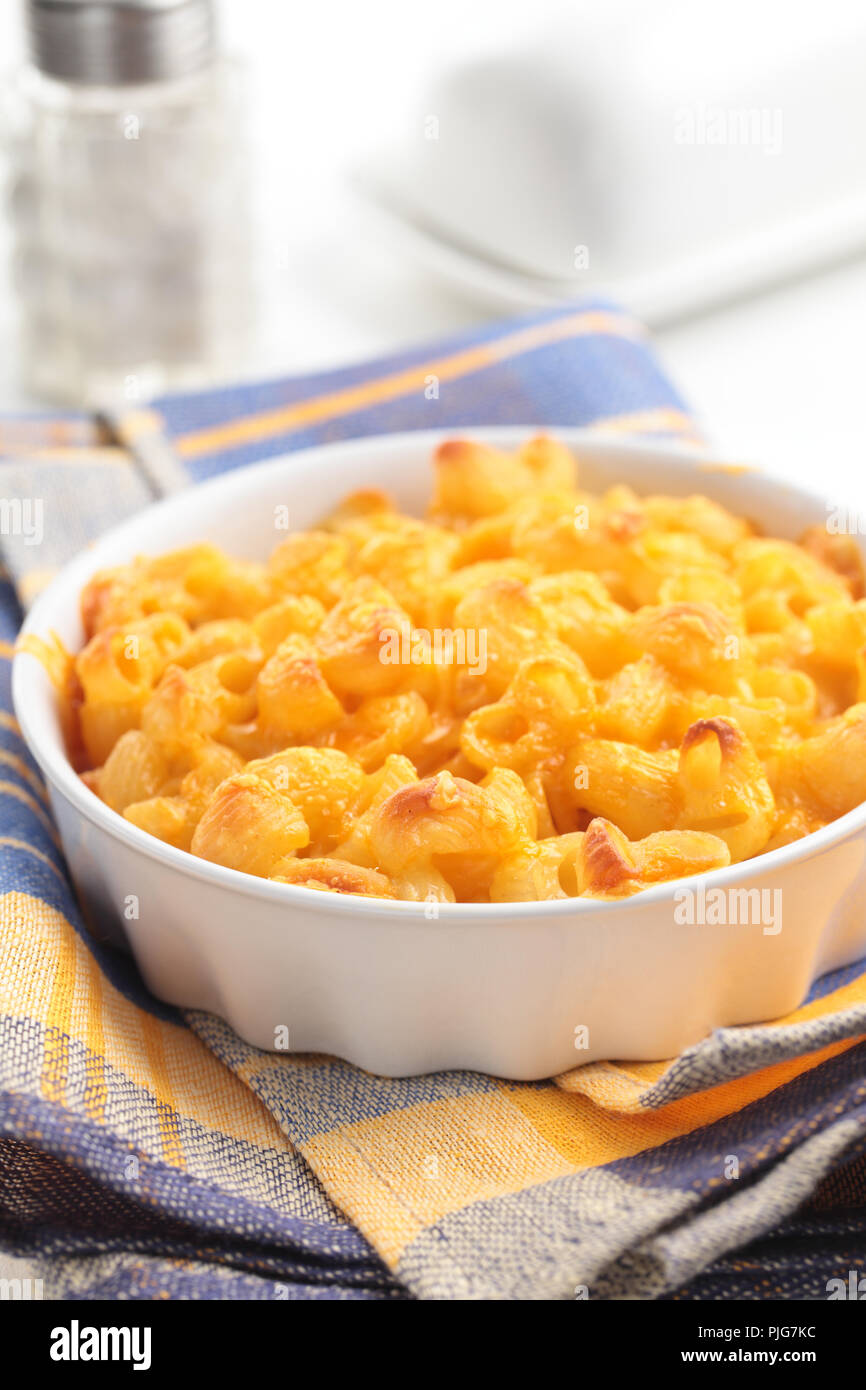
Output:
[[535, 693]]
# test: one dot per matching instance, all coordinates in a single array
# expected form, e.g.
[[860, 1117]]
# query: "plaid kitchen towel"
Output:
[[146, 1153]]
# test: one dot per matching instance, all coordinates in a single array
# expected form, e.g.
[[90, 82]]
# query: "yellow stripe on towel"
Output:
[[251, 428], [48, 974], [589, 1136]]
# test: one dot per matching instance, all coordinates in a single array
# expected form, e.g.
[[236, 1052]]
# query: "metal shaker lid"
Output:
[[114, 42]]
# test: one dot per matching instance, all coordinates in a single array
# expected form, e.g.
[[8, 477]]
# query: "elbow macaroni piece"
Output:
[[539, 692]]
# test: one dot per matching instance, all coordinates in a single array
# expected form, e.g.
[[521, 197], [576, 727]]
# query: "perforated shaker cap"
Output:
[[114, 42]]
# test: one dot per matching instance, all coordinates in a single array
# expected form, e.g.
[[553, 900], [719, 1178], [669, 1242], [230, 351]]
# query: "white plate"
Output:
[[501, 988]]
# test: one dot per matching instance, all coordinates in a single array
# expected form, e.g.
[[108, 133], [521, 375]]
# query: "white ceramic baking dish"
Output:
[[517, 990]]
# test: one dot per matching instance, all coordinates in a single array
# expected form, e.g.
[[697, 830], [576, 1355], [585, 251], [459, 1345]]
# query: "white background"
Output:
[[778, 379]]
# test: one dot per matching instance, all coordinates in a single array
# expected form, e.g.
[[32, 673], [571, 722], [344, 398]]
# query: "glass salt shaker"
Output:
[[128, 197]]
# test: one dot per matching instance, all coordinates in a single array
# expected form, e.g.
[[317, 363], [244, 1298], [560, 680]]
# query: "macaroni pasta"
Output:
[[535, 693]]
